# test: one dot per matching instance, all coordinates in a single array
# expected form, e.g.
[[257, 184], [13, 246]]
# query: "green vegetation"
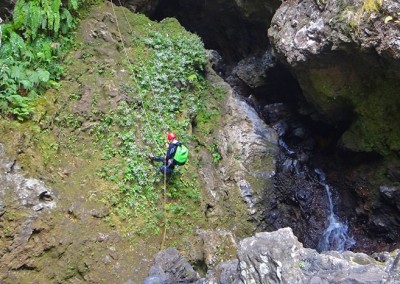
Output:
[[169, 91], [32, 45], [93, 109], [214, 152], [356, 16], [395, 19], [370, 6]]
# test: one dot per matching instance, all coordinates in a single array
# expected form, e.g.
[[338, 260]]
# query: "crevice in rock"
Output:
[[200, 267]]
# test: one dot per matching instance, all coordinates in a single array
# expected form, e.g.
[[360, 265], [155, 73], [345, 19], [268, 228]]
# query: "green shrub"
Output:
[[30, 52]]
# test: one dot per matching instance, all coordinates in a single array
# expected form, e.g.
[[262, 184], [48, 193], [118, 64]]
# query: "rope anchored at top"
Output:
[[1, 33]]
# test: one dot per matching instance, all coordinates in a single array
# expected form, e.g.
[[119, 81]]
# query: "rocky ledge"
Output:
[[278, 257]]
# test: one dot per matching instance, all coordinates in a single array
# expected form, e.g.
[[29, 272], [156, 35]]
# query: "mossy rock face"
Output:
[[100, 124], [358, 90], [347, 62]]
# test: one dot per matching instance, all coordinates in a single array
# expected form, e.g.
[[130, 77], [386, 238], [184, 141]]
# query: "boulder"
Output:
[[170, 267], [346, 56]]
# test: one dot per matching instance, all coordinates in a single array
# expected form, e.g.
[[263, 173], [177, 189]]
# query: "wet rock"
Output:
[[259, 264], [281, 128], [272, 113], [6, 9], [76, 210], [247, 149], [225, 273], [27, 192], [154, 280], [252, 70], [251, 73], [394, 172], [216, 62], [255, 146], [100, 213], [170, 267], [389, 193]]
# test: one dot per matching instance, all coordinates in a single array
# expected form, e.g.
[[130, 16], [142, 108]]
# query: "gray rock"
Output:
[[155, 280], [278, 257], [253, 70], [142, 6], [26, 192], [170, 267]]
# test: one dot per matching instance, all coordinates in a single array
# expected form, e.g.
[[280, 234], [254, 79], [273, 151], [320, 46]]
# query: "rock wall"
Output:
[[345, 55], [27, 197], [238, 179]]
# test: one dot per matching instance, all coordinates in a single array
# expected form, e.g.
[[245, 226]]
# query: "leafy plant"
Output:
[[215, 153], [394, 19], [167, 80], [32, 46], [371, 5], [357, 16]]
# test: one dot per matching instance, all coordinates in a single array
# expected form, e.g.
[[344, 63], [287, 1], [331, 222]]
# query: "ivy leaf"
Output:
[[387, 19], [192, 77]]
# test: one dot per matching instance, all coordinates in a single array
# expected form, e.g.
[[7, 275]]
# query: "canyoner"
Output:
[[176, 155]]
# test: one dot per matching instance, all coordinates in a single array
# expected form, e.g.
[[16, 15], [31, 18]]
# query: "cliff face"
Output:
[[345, 55]]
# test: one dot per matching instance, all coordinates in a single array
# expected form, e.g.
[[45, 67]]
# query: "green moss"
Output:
[[348, 87], [330, 91]]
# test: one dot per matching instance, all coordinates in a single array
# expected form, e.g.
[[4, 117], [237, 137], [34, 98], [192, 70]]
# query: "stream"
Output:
[[336, 235]]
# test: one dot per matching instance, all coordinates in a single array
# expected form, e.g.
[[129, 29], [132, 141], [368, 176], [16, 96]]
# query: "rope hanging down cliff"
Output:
[[147, 119], [1, 33]]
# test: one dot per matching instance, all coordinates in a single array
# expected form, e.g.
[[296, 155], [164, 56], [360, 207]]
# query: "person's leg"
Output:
[[158, 159], [166, 170]]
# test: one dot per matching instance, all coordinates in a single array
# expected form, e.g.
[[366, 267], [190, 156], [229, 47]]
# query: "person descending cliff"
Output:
[[176, 154]]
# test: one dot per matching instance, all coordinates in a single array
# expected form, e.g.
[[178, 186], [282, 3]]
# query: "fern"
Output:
[[31, 48], [34, 19], [73, 4], [68, 21], [55, 6], [56, 27], [17, 44], [1, 30], [19, 14], [50, 20]]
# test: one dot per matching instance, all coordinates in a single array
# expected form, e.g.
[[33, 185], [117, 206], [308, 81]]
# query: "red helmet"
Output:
[[171, 136]]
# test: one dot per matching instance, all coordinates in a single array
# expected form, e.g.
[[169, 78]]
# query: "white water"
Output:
[[335, 236]]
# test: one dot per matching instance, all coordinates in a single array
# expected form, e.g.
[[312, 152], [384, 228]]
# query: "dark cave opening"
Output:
[[221, 26]]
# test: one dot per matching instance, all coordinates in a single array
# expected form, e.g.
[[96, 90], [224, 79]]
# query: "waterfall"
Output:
[[335, 236]]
